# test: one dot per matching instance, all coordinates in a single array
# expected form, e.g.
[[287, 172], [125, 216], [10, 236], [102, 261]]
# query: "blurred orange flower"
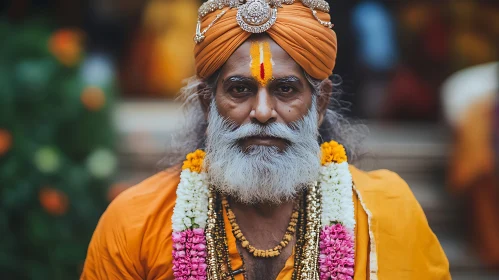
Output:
[[66, 45], [474, 48], [54, 201], [5, 141], [115, 190], [416, 16], [93, 98]]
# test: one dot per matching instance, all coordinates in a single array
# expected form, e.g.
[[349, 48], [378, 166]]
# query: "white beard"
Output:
[[262, 173]]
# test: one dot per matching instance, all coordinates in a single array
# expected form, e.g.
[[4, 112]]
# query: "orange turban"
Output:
[[312, 45]]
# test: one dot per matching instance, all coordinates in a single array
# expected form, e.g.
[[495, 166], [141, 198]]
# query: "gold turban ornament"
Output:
[[301, 28]]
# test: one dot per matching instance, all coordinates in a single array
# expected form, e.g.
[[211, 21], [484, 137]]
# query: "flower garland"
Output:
[[336, 238], [336, 243], [189, 220]]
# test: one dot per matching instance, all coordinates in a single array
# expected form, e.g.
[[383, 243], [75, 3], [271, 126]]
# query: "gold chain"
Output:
[[211, 260], [307, 264], [258, 253]]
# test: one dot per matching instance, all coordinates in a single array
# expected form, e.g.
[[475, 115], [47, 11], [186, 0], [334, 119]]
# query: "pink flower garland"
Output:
[[189, 254], [336, 257]]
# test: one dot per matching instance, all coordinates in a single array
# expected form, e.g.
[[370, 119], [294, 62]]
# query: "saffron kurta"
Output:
[[392, 237]]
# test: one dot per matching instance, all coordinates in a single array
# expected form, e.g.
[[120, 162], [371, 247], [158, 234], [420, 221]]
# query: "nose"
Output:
[[263, 110]]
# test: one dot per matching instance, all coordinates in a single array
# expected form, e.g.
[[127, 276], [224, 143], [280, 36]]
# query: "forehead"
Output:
[[239, 62]]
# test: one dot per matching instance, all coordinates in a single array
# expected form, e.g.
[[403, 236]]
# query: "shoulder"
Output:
[[389, 202], [149, 197], [404, 245], [146, 208], [140, 217], [134, 232], [381, 185]]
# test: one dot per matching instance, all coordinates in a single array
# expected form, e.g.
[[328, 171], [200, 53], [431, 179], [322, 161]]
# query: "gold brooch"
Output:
[[254, 16]]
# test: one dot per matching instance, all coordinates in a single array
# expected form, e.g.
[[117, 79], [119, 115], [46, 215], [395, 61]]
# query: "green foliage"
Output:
[[57, 144]]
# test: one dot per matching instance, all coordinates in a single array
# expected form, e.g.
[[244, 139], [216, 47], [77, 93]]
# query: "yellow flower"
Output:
[[194, 161], [332, 152]]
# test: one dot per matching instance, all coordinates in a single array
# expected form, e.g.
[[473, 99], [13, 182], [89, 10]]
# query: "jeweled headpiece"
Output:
[[254, 16]]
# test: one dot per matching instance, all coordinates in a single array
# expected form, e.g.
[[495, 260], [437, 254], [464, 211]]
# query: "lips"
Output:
[[264, 138], [264, 141]]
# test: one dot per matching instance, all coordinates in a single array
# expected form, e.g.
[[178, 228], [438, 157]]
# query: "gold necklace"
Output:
[[258, 253], [306, 265], [306, 255]]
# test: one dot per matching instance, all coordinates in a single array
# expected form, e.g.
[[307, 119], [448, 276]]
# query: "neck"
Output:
[[263, 224], [259, 211]]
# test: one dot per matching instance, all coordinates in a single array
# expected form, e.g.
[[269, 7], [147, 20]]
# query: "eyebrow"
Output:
[[236, 79], [287, 79], [243, 79]]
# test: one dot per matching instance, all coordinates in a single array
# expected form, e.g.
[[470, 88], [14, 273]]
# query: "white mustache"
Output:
[[275, 130]]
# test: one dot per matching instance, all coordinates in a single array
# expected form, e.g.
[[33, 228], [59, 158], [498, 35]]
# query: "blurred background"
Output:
[[87, 105]]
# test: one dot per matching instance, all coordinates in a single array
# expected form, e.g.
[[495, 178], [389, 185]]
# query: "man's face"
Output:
[[263, 123], [246, 93]]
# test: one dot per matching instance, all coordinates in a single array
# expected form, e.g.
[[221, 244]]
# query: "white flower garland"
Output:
[[191, 207], [337, 195]]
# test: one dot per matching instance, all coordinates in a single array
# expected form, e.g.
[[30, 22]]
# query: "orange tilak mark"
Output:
[[261, 62]]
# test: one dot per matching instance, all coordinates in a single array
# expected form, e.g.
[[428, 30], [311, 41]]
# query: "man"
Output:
[[471, 102], [271, 196]]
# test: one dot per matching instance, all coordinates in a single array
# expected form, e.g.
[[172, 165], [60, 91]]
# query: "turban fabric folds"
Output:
[[312, 45]]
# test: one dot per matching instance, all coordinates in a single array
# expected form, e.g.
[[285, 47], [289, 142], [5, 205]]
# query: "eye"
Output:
[[239, 90], [285, 89]]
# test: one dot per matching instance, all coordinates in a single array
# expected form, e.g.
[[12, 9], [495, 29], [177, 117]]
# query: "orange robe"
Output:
[[393, 239]]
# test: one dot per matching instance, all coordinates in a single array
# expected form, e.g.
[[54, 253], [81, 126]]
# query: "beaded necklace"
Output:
[[258, 253]]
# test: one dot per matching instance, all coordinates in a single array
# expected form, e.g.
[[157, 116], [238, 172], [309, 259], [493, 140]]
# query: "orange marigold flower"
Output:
[[194, 161], [332, 152], [54, 201], [93, 98], [66, 45], [5, 141]]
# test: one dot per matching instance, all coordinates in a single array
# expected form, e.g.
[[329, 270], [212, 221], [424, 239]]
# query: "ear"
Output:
[[325, 93], [204, 98]]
